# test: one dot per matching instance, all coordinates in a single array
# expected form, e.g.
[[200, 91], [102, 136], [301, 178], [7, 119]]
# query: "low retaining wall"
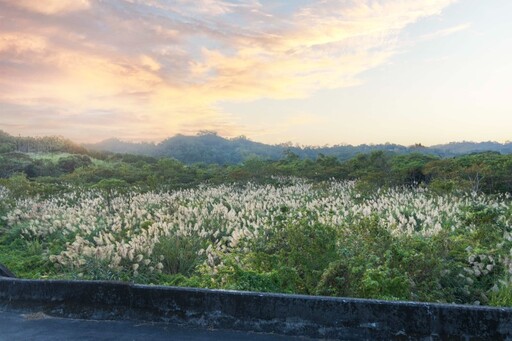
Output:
[[323, 317]]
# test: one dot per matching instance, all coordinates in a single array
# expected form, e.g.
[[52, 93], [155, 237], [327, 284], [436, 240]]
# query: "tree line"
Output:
[[487, 172]]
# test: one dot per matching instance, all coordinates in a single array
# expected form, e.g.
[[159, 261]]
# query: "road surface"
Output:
[[40, 327]]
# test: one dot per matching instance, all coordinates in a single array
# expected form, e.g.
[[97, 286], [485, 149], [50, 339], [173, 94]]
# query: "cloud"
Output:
[[51, 6], [17, 44], [161, 67], [446, 32]]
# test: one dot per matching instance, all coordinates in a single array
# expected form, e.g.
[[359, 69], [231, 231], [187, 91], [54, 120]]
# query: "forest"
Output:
[[395, 225]]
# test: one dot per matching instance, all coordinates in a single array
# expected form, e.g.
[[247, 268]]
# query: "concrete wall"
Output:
[[324, 317]]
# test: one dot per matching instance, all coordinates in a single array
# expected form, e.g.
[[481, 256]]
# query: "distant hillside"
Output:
[[47, 144], [210, 148], [474, 147], [115, 145]]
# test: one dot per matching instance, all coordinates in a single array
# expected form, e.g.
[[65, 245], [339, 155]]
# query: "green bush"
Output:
[[374, 264], [180, 254], [299, 251], [502, 296]]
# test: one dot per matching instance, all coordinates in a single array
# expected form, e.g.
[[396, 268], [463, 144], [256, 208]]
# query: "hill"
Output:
[[467, 147], [46, 144], [211, 148]]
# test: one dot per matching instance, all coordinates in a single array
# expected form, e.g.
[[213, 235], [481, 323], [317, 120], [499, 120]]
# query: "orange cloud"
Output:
[[53, 6]]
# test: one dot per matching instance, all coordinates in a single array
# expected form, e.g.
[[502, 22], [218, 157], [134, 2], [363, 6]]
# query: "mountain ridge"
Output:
[[211, 148]]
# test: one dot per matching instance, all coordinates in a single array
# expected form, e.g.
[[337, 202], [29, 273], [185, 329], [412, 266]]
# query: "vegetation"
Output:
[[207, 147], [379, 225], [294, 236]]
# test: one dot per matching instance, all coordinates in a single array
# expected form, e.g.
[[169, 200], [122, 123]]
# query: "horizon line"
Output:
[[287, 143]]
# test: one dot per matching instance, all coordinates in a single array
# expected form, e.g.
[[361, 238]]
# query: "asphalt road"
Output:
[[38, 326]]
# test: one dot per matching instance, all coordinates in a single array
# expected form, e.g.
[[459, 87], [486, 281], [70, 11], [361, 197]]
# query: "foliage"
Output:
[[502, 296], [298, 251], [179, 254], [293, 236]]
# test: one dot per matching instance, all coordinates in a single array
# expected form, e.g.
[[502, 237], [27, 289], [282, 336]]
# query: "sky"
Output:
[[310, 72]]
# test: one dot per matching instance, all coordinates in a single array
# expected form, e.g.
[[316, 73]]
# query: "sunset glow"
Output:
[[306, 71]]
